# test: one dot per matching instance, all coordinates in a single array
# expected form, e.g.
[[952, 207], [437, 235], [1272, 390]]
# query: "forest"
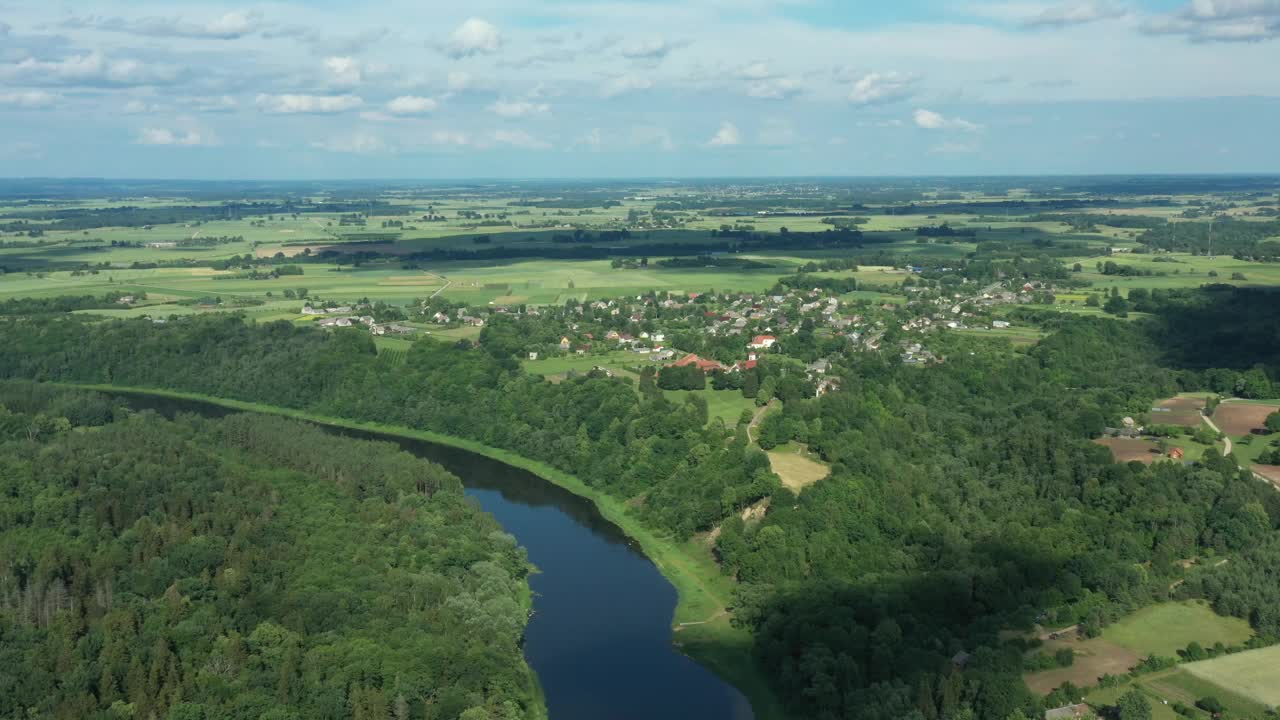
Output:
[[963, 501], [243, 567]]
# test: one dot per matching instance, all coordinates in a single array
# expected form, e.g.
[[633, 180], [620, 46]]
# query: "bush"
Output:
[[1210, 705], [1065, 657]]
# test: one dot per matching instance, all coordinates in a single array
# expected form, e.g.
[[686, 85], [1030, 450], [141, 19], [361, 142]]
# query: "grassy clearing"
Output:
[[1166, 628], [703, 592], [1254, 674], [1093, 659], [797, 468], [1108, 697], [1181, 685]]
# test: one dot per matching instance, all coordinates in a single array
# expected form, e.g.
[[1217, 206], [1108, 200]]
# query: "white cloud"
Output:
[[930, 120], [307, 104], [1220, 21], [140, 107], [165, 136], [882, 88], [28, 99], [624, 84], [344, 70], [518, 109], [756, 71], [231, 26], [474, 37], [1075, 13], [92, 69], [652, 49], [520, 139], [727, 136], [412, 105]]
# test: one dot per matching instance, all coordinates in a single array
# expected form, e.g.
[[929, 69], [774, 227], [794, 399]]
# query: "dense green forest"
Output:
[[964, 500], [246, 567]]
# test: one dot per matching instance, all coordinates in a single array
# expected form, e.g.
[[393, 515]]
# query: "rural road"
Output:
[[446, 287], [1226, 441], [759, 416]]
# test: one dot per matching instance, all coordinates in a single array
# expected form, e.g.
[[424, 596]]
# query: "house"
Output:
[[819, 367], [763, 342], [533, 356], [744, 365], [662, 355], [308, 310], [126, 300], [1176, 454], [828, 385], [564, 343], [1068, 712], [340, 310], [702, 364], [1000, 324]]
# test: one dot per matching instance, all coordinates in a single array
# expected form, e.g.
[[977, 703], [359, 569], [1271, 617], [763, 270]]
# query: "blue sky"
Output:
[[579, 88]]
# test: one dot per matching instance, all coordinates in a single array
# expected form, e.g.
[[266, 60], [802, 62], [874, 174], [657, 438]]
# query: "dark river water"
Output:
[[600, 635]]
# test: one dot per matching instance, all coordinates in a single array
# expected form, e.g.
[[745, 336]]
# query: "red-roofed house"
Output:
[[704, 365], [763, 342]]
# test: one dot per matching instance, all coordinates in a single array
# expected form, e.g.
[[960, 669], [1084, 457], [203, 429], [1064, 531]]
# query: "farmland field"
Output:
[[1254, 674], [797, 470], [1238, 418], [1183, 410], [1129, 449]]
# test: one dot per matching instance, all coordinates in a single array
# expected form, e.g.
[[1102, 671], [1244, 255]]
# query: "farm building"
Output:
[[1070, 711]]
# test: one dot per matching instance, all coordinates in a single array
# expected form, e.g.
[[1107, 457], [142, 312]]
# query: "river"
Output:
[[600, 635]]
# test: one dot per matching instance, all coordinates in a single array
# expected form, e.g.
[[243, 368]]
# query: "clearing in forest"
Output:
[[1238, 419], [1182, 410], [1093, 659], [1254, 674], [1166, 628], [1129, 449], [796, 469]]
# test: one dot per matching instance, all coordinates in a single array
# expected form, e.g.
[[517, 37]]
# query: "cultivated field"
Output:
[[1183, 410], [1238, 419], [1129, 449], [1254, 674]]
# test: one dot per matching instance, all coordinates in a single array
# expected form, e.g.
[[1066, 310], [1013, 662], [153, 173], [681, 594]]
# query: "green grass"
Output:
[[1166, 628], [703, 591], [1182, 685], [727, 405], [1108, 697], [1255, 675]]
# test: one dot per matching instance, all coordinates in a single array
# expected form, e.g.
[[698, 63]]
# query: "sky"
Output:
[[423, 89]]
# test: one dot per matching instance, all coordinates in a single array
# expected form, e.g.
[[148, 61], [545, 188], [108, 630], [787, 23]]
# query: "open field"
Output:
[[1182, 685], [1254, 674], [1108, 697], [797, 469], [1129, 449], [1157, 630], [1183, 410], [1238, 419], [1094, 658], [1166, 628]]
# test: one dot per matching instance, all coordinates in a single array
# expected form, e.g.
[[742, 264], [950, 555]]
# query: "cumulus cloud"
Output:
[[165, 136], [518, 109], [231, 26], [1220, 21], [882, 88], [624, 84], [726, 136], [92, 69], [344, 70], [474, 37], [307, 104], [930, 120], [1075, 13], [412, 105], [28, 99]]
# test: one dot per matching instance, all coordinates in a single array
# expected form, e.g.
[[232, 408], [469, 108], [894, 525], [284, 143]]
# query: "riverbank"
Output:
[[703, 593]]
